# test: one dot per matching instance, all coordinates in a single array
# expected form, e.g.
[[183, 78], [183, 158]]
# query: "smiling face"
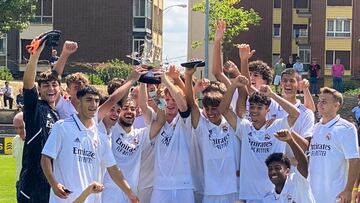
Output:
[[112, 116], [277, 172], [88, 105], [327, 105], [127, 113], [171, 107], [73, 88], [49, 91], [258, 112], [257, 80], [289, 84]]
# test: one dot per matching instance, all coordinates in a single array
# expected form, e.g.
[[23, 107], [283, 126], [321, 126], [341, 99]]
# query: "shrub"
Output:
[[5, 74], [94, 79], [112, 69], [350, 85]]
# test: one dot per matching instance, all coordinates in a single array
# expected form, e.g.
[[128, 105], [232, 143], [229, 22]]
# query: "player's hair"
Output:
[[127, 100], [292, 72], [48, 76], [76, 78], [87, 89], [334, 93], [215, 86], [278, 157], [212, 99], [263, 69], [257, 98], [114, 84]]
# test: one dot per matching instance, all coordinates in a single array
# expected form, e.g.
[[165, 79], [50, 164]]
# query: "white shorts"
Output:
[[277, 79], [145, 194], [172, 196], [229, 198], [114, 195]]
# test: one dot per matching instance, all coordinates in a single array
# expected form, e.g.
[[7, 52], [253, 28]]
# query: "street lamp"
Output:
[[176, 5]]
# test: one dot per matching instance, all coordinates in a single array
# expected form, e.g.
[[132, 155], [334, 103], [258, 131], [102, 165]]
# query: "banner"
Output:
[[6, 145], [2, 145]]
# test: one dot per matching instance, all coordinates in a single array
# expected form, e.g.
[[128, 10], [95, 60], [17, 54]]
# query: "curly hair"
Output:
[[215, 86], [48, 76], [76, 78], [263, 69], [278, 157], [257, 98], [114, 84]]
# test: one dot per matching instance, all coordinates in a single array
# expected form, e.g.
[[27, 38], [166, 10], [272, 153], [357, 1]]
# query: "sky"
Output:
[[175, 28]]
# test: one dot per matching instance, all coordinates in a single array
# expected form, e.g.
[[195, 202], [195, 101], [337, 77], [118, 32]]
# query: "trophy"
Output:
[[147, 59]]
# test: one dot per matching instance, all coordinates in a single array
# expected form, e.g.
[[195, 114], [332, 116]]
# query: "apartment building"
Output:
[[325, 29], [104, 30]]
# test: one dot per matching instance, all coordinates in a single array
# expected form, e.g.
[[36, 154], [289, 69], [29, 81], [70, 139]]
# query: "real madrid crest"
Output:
[[328, 136]]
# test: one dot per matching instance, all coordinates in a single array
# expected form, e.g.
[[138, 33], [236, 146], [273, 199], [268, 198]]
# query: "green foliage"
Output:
[[350, 85], [94, 79], [353, 92], [16, 14], [237, 18], [112, 69], [5, 74]]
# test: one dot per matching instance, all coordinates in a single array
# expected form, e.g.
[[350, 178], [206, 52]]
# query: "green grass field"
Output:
[[7, 179]]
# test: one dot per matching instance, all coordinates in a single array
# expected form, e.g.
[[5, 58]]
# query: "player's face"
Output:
[[73, 88], [112, 116], [256, 79], [50, 91], [213, 114], [289, 84], [277, 173], [258, 112], [88, 105], [127, 114], [171, 108], [327, 105]]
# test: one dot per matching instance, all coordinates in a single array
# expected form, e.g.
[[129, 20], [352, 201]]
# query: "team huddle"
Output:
[[155, 144]]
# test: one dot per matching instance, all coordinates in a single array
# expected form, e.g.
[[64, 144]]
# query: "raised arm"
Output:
[[190, 97], [217, 66], [157, 124], [69, 48], [245, 53], [176, 93], [287, 136], [225, 110], [241, 102], [308, 100], [174, 73], [143, 104], [120, 92], [287, 106], [30, 72]]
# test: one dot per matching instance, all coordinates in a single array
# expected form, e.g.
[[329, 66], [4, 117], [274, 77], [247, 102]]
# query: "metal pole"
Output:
[[207, 8]]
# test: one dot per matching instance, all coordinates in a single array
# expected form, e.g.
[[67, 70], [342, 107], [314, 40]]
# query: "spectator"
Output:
[[278, 69], [356, 111], [18, 144], [298, 66], [54, 58], [314, 72], [20, 99], [337, 72], [291, 62], [8, 95]]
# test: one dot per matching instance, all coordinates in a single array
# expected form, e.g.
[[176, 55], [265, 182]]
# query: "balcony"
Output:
[[302, 41], [303, 13]]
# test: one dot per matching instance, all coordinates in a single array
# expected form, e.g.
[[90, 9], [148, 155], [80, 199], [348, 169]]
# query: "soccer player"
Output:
[[289, 186], [218, 145], [334, 152], [257, 137], [39, 117], [75, 152]]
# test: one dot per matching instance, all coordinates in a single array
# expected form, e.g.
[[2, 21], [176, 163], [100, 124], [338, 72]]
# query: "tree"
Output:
[[16, 14], [237, 19]]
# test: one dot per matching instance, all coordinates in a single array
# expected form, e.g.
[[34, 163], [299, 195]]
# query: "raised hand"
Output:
[[245, 52], [220, 30], [69, 47], [231, 68], [266, 90], [304, 84], [283, 135], [241, 81], [190, 71], [173, 72], [201, 85], [136, 72]]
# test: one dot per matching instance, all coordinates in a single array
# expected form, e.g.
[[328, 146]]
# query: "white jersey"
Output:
[[172, 166], [256, 146], [332, 145], [140, 122], [296, 189], [78, 155], [273, 108], [65, 108], [218, 147], [127, 148]]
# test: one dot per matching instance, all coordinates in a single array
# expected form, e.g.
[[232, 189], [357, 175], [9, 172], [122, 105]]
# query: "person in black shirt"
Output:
[[20, 99], [54, 58], [314, 73], [39, 117], [291, 62]]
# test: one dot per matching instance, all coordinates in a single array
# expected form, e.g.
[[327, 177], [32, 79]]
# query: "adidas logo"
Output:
[[77, 140]]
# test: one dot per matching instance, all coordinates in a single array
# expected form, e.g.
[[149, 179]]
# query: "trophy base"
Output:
[[149, 80], [193, 64]]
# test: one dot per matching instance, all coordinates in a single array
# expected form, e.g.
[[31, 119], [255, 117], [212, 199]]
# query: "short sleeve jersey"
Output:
[[172, 165], [65, 108], [78, 155], [256, 146], [332, 145]]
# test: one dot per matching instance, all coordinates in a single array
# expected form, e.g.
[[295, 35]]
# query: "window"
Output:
[[3, 50], [305, 56], [332, 55], [142, 14], [338, 28], [137, 45], [277, 3], [300, 31], [301, 4], [276, 30], [44, 12], [339, 2]]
